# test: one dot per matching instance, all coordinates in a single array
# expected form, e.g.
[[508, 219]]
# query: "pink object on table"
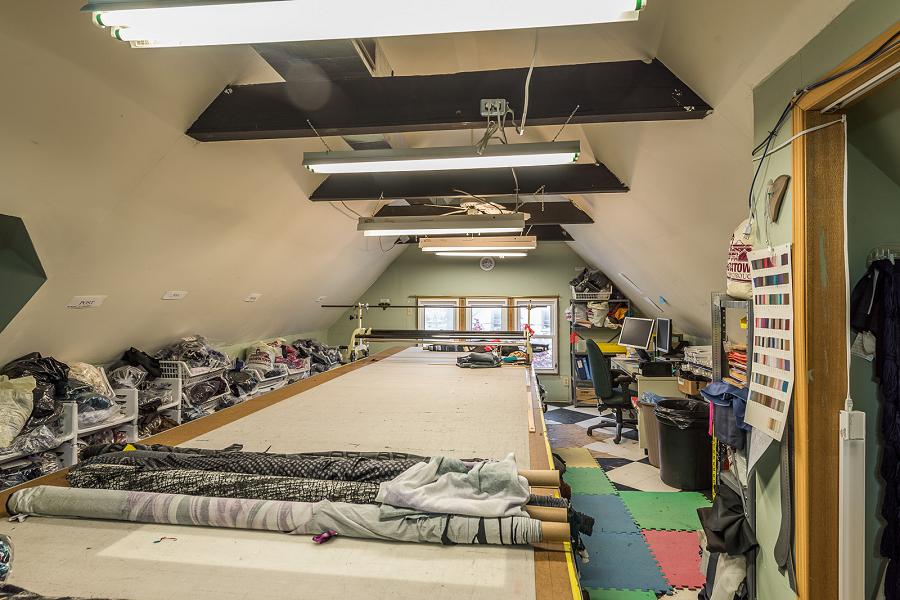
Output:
[[710, 419], [324, 537]]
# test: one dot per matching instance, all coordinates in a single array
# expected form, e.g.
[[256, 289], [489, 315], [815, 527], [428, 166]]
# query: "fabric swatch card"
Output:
[[772, 370]]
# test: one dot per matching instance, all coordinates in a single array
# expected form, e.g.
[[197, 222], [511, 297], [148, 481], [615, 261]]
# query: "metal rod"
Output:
[[387, 306]]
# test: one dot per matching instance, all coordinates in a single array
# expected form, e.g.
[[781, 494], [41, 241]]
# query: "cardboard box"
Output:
[[585, 394], [690, 387]]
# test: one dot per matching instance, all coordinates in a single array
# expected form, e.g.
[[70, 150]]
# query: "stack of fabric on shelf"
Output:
[[737, 365], [383, 495], [698, 360], [322, 357], [196, 352]]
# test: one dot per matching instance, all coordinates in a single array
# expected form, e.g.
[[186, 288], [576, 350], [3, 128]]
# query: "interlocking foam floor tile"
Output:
[[675, 511], [678, 553], [620, 561], [588, 480], [598, 594], [577, 457], [609, 512]]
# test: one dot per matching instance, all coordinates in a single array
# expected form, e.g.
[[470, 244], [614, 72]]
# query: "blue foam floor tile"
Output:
[[609, 512], [620, 561]]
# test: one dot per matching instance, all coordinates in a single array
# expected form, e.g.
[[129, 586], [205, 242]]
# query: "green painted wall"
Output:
[[873, 215], [545, 272], [852, 29]]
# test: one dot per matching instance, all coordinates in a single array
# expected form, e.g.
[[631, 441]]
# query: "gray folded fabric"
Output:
[[447, 485], [220, 484], [303, 518]]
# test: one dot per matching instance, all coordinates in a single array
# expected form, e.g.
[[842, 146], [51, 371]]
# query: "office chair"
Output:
[[611, 387]]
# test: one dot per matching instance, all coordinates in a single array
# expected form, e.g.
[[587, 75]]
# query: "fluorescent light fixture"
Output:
[[482, 254], [449, 224], [442, 159], [479, 244], [164, 23]]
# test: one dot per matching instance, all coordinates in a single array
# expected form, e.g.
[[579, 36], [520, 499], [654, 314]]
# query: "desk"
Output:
[[662, 386]]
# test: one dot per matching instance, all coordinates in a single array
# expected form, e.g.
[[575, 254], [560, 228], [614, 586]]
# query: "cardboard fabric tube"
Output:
[[541, 478], [548, 514], [555, 532]]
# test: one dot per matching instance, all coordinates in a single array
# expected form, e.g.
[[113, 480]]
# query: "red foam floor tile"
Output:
[[678, 554]]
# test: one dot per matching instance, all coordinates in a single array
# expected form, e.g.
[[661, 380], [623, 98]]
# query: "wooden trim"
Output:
[[821, 97], [819, 313], [193, 429]]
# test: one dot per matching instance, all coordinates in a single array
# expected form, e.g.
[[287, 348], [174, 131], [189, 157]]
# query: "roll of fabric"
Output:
[[220, 485], [357, 468], [300, 518]]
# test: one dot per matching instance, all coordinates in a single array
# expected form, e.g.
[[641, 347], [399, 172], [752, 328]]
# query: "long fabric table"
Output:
[[415, 401]]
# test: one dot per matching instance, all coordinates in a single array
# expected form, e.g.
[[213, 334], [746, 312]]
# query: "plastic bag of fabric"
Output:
[[93, 407], [50, 376], [737, 271], [138, 358], [127, 377], [92, 376], [242, 383], [260, 358], [203, 391], [196, 352], [39, 439], [17, 474], [16, 399], [154, 395]]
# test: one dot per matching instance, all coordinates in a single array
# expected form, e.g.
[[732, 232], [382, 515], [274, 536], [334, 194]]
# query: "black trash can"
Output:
[[685, 449]]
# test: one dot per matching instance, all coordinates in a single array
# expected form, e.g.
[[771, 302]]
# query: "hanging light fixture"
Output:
[[446, 225], [165, 23], [442, 159], [479, 244], [482, 254]]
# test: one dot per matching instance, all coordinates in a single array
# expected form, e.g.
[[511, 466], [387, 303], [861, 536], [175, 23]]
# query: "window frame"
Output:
[[553, 336], [486, 300], [421, 303]]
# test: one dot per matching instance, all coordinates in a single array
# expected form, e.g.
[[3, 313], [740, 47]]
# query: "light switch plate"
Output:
[[174, 295], [85, 301]]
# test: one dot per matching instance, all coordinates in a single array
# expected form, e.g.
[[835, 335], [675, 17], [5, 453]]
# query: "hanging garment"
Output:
[[725, 525], [447, 485], [875, 308], [220, 485], [320, 467], [299, 518]]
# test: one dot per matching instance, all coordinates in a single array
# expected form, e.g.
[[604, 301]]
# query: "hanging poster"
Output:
[[772, 370]]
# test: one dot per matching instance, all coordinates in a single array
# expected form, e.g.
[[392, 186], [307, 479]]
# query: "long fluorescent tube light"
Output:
[[442, 159], [482, 254], [450, 224], [163, 23], [479, 244]]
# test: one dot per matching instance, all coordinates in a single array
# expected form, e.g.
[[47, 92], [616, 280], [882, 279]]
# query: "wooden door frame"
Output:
[[819, 313]]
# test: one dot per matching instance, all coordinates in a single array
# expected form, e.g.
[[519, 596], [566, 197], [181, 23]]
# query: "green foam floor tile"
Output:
[[586, 480], [673, 511], [599, 594]]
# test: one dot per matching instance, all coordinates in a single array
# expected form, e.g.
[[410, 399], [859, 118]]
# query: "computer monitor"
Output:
[[663, 334], [636, 332]]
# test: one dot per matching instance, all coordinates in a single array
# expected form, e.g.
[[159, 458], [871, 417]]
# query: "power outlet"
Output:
[[566, 381], [493, 107]]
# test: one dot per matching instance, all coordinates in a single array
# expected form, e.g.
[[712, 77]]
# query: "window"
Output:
[[543, 320], [486, 314], [437, 314]]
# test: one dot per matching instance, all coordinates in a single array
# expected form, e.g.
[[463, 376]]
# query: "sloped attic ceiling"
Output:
[[119, 202], [688, 180]]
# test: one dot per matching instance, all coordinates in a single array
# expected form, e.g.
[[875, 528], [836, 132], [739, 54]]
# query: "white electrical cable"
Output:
[[795, 136], [848, 402], [521, 129]]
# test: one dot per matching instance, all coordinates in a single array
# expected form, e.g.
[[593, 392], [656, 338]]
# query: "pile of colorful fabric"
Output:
[[737, 365], [384, 495]]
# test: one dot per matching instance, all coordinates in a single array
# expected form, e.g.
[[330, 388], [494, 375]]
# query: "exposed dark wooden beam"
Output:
[[555, 180], [547, 213], [606, 92]]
